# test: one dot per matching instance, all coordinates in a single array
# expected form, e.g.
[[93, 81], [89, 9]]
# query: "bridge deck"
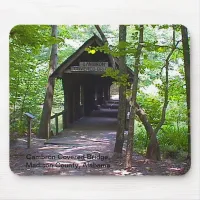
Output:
[[100, 122]]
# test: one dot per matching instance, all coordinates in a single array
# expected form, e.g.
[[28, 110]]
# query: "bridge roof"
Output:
[[66, 64]]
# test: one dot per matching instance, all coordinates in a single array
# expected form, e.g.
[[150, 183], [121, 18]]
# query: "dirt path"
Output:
[[71, 154]]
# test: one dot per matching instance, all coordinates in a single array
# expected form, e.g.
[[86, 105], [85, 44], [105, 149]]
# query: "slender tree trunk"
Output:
[[46, 112], [129, 149], [153, 150], [186, 55], [122, 99]]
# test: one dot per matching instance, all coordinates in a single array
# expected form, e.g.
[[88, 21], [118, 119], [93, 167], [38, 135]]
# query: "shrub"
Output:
[[173, 142]]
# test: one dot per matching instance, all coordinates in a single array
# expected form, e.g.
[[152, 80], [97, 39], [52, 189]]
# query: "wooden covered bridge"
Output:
[[84, 87]]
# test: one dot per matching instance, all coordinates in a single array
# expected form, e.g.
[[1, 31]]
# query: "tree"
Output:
[[122, 97], [129, 149], [27, 70], [153, 149], [116, 75], [186, 56], [44, 128]]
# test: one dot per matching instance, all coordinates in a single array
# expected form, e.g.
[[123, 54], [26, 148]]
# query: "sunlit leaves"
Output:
[[177, 54], [92, 51]]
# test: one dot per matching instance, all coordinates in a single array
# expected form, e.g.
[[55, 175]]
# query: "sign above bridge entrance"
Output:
[[93, 64], [90, 67]]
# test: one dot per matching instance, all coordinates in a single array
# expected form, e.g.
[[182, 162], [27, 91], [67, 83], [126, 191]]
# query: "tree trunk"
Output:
[[44, 128], [186, 55], [129, 149], [122, 91], [153, 149], [122, 99]]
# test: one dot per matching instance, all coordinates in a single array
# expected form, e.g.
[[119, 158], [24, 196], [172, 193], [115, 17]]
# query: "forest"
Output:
[[158, 97]]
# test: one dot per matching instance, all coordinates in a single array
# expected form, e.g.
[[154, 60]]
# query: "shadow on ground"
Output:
[[84, 149]]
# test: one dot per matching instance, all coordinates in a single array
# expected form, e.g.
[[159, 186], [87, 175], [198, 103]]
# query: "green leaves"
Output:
[[152, 107], [29, 60], [92, 51], [119, 79], [121, 49], [53, 40], [152, 64], [30, 35]]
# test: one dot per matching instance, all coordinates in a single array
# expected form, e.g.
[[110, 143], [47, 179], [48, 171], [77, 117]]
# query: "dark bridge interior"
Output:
[[84, 93]]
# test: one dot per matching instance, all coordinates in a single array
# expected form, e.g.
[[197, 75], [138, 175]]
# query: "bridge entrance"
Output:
[[85, 90]]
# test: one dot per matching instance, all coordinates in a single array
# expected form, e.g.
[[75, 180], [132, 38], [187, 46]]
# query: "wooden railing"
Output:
[[56, 115]]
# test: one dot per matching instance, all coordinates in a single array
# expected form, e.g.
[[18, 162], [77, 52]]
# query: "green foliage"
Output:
[[158, 42], [29, 61], [119, 79], [121, 49], [171, 136], [151, 64], [170, 151], [32, 37], [151, 105], [173, 142], [140, 138]]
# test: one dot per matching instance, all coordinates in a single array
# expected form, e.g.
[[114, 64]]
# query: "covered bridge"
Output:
[[83, 84]]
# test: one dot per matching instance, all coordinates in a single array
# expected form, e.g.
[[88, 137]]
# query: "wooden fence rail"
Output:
[[56, 115]]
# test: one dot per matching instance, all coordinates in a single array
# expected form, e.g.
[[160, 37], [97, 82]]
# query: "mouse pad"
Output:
[[99, 100]]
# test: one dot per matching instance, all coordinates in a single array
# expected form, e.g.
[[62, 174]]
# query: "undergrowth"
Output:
[[173, 142]]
